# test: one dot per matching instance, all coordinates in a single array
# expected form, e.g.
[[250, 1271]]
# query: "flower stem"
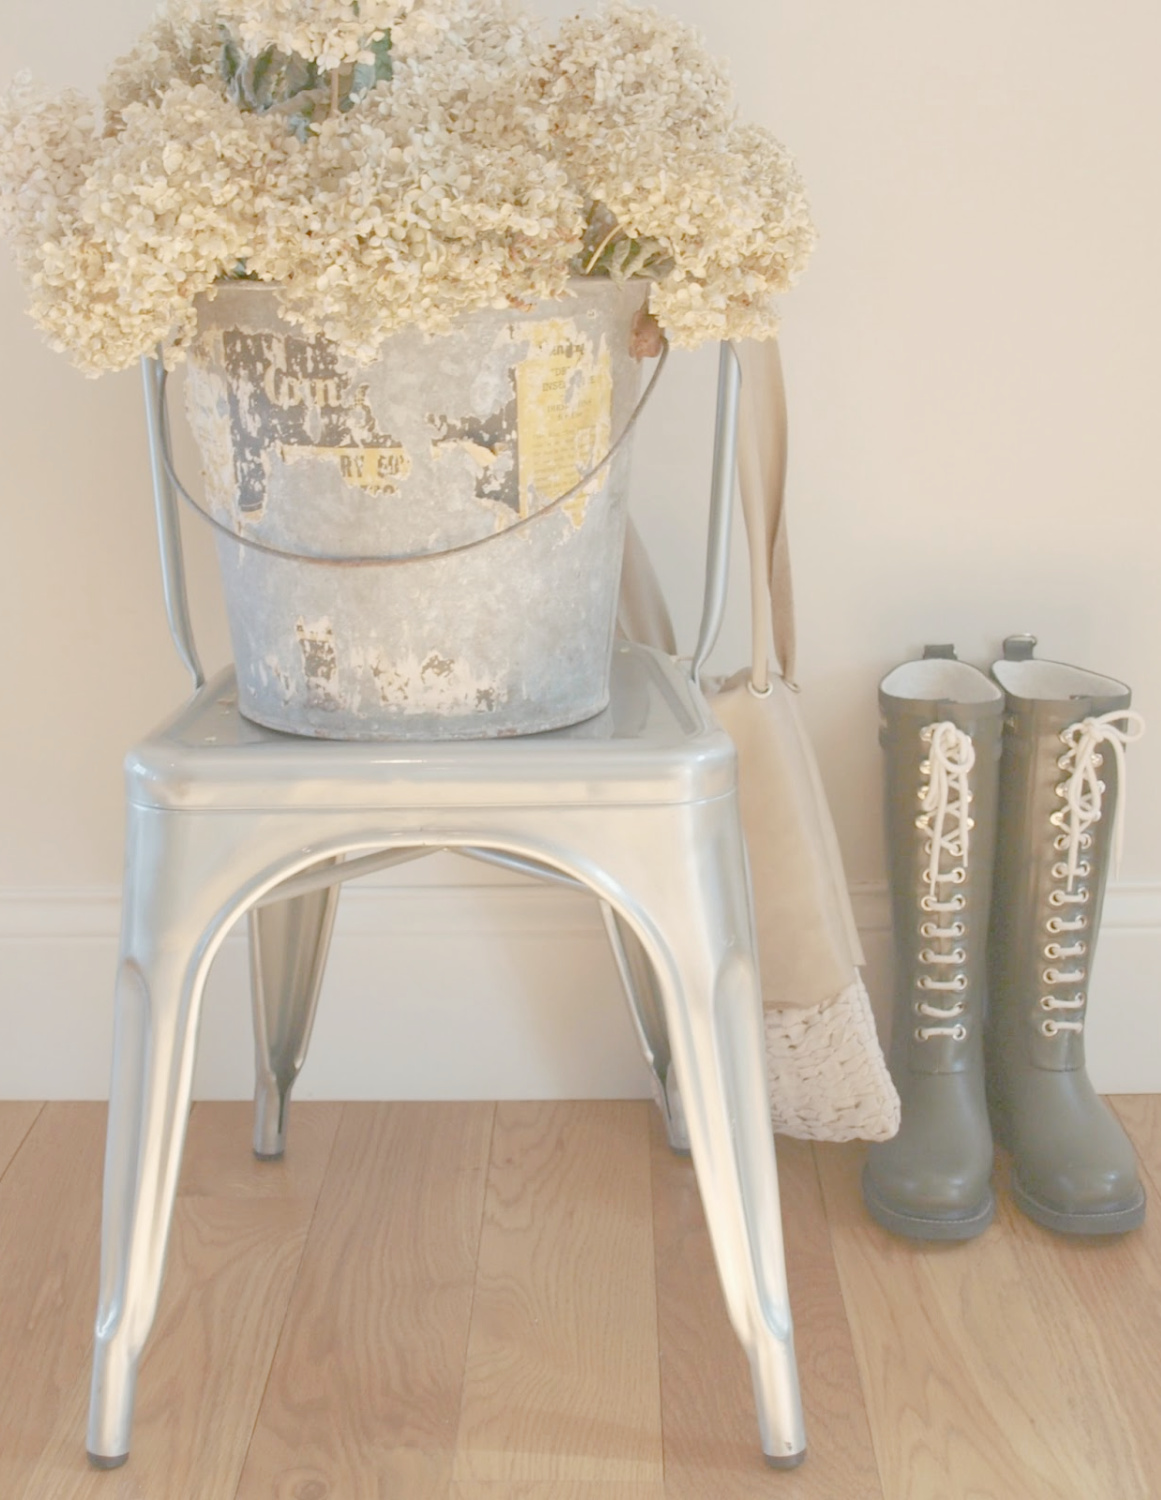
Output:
[[602, 247]]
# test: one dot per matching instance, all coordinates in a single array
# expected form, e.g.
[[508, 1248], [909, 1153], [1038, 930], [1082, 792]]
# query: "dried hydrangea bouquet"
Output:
[[315, 201]]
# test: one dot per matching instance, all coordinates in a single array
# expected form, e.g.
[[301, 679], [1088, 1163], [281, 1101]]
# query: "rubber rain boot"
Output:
[[1061, 779], [940, 730]]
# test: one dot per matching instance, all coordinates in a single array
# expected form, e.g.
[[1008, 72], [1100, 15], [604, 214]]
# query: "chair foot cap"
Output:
[[784, 1460], [270, 1155], [103, 1461]]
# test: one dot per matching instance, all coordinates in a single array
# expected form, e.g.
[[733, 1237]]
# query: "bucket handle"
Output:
[[158, 412]]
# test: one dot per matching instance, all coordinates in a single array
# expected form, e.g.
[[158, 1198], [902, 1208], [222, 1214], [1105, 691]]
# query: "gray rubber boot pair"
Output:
[[963, 1060]]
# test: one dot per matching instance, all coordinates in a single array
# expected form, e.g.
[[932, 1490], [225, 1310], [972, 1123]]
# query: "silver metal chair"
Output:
[[638, 806]]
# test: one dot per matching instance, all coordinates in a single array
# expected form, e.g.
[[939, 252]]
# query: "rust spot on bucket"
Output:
[[437, 666]]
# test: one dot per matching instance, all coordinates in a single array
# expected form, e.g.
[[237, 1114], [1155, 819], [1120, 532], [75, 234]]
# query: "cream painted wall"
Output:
[[974, 387]]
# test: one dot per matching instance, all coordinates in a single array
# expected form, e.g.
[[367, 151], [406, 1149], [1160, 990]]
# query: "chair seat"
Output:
[[655, 743]]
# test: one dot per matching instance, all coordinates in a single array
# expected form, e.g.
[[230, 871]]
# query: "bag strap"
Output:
[[762, 447]]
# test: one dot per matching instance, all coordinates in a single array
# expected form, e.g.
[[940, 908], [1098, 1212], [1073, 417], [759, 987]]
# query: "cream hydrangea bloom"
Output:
[[644, 119], [183, 45], [161, 210], [430, 200], [467, 179]]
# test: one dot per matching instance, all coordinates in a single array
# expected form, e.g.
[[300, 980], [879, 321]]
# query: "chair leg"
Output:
[[159, 992], [289, 941], [731, 1121], [714, 1013], [646, 1007]]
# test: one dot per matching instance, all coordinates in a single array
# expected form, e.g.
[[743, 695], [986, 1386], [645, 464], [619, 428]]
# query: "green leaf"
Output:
[[299, 125], [231, 61], [382, 50], [365, 76], [299, 74], [263, 80]]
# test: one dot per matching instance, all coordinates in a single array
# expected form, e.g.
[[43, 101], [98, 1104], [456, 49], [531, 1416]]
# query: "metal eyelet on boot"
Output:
[[929, 956], [928, 903], [957, 1033], [933, 930], [1058, 950], [1064, 898], [955, 986]]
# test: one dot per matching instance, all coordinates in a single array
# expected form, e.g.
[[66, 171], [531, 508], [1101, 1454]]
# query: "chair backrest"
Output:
[[168, 521], [173, 578], [717, 562]]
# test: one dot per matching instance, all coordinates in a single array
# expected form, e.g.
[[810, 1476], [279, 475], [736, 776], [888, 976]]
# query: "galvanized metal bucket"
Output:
[[447, 606]]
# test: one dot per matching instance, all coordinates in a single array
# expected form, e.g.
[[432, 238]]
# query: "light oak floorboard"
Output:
[[49, 1231], [220, 1162], [1141, 1116], [1019, 1366], [230, 1269], [964, 1352], [562, 1377], [364, 1395], [1096, 1303], [712, 1447], [16, 1120], [1111, 1288], [558, 1489]]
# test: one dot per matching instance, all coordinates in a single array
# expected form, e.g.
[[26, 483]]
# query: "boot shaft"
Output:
[[940, 731]]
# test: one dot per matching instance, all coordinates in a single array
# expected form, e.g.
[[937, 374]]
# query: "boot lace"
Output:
[[1081, 794], [945, 800]]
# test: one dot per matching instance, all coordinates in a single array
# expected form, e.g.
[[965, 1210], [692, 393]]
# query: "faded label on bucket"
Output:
[[292, 395], [564, 402], [489, 445], [375, 470]]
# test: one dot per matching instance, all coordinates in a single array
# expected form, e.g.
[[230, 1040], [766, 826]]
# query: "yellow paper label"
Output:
[[372, 469], [564, 413]]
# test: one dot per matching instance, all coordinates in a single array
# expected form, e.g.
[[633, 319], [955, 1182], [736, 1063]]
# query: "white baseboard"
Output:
[[496, 989]]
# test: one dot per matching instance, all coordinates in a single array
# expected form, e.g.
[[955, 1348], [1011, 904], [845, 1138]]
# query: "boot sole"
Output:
[[1107, 1221], [919, 1227]]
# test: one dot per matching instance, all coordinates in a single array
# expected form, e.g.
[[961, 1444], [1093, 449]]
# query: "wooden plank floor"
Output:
[[518, 1302]]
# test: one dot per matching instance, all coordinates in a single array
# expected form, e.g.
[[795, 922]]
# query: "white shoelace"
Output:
[[946, 797], [945, 801], [1083, 792], [1083, 796]]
